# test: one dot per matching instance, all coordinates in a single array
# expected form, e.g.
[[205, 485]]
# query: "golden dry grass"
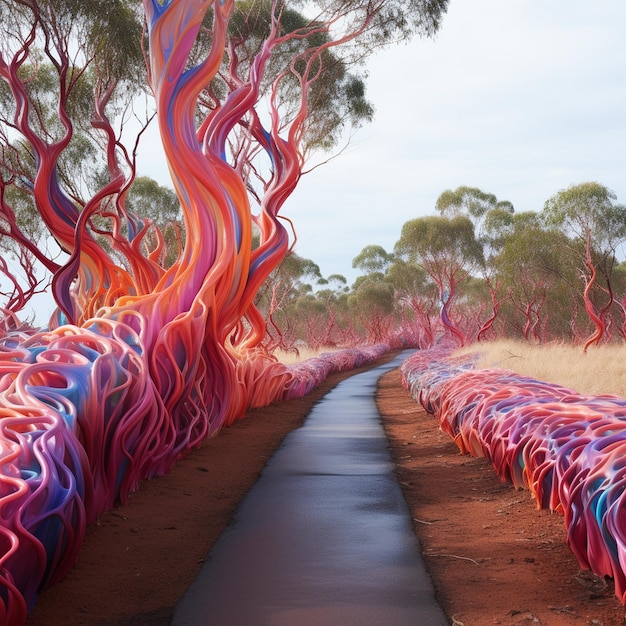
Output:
[[288, 357], [601, 370]]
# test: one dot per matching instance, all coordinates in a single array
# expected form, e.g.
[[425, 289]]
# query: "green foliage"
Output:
[[532, 279], [437, 241], [106, 36], [82, 53], [296, 268], [148, 199], [533, 255], [588, 213], [588, 210], [21, 202], [372, 297], [288, 282], [489, 215], [336, 99], [408, 278], [372, 259], [540, 276], [469, 201], [397, 20], [113, 38]]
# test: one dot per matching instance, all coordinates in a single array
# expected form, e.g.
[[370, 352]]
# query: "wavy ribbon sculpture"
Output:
[[141, 362], [568, 449], [82, 423]]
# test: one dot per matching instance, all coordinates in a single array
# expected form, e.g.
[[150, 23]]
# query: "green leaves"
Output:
[[588, 210], [437, 239], [372, 259], [469, 201]]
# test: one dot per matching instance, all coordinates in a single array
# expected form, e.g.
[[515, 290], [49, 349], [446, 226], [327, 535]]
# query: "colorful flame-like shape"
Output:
[[568, 449], [83, 422], [141, 363]]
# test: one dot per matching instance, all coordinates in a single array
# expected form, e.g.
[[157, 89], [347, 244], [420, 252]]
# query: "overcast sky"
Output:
[[520, 98]]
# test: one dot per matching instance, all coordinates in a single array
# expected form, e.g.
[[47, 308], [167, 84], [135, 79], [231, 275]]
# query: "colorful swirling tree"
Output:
[[589, 213], [156, 342], [448, 251]]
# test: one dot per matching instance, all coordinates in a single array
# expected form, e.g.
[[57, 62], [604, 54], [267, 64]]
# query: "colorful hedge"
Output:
[[568, 449]]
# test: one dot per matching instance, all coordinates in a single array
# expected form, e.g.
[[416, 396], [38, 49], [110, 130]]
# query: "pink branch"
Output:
[[589, 307]]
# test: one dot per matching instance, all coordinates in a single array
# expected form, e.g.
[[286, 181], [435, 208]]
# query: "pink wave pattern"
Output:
[[84, 421], [568, 449], [142, 362]]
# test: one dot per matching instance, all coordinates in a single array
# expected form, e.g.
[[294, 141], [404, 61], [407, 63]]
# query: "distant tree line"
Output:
[[473, 271]]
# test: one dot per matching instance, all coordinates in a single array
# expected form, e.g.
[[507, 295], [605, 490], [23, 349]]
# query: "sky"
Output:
[[521, 99]]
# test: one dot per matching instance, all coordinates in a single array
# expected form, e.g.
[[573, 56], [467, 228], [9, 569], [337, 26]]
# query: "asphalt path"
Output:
[[324, 537]]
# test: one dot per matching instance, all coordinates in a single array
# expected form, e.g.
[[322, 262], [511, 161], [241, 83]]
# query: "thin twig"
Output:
[[456, 556]]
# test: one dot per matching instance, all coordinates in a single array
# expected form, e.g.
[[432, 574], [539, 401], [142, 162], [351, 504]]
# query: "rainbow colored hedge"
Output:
[[568, 449], [83, 421]]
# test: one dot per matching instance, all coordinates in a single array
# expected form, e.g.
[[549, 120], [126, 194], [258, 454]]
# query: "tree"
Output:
[[589, 214], [469, 201], [449, 252], [405, 286], [371, 302], [63, 67], [146, 357], [372, 259], [286, 285], [490, 217], [537, 279], [478, 206]]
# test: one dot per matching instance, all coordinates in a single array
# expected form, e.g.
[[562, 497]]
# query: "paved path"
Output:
[[324, 537]]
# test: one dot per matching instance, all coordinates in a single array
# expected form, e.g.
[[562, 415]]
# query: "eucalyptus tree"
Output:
[[448, 251], [372, 258], [66, 67], [537, 279], [333, 292], [482, 208], [322, 318], [490, 217], [72, 72], [415, 296], [588, 213], [412, 294], [386, 276], [289, 283], [371, 303]]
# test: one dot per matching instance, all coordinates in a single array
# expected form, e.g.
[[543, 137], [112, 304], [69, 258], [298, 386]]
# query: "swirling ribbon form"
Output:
[[81, 423], [77, 414], [568, 449], [141, 363]]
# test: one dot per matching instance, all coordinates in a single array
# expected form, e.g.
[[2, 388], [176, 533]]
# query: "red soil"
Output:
[[494, 558]]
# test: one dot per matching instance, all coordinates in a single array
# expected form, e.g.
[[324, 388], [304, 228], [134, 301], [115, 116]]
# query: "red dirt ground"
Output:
[[494, 558]]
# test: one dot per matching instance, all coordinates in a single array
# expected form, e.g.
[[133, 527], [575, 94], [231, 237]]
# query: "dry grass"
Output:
[[602, 370], [288, 357]]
